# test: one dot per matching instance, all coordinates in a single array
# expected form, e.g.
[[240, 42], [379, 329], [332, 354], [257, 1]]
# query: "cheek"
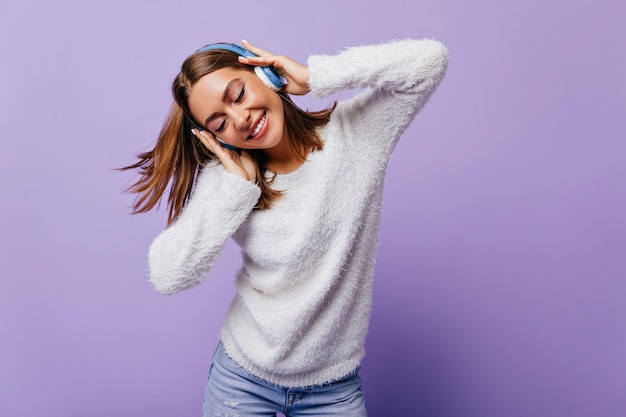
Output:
[[279, 119], [278, 104]]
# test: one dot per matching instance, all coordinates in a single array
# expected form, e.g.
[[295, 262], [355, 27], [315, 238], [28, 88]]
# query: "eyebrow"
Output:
[[229, 87]]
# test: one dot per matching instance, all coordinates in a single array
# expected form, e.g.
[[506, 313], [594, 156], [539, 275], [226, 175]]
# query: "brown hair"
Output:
[[178, 157]]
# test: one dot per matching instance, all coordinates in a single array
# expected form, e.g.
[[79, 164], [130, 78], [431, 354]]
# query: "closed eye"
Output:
[[229, 96], [241, 94], [220, 128]]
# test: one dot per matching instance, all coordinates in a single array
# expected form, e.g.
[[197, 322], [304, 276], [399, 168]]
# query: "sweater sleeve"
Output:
[[182, 255], [398, 77]]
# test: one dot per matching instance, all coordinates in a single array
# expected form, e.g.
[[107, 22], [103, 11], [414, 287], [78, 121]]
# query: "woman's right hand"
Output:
[[236, 162]]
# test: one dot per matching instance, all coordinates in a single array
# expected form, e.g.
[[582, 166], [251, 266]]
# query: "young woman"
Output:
[[300, 193]]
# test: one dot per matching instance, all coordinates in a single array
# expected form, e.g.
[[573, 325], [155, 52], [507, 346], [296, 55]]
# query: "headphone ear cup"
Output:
[[270, 78]]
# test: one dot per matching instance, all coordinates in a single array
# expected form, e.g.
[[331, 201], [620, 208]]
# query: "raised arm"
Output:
[[398, 66], [399, 77]]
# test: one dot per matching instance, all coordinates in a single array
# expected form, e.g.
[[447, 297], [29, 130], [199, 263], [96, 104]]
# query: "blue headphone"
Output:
[[268, 75]]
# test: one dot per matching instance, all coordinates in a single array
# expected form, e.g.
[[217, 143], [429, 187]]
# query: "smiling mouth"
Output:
[[259, 126]]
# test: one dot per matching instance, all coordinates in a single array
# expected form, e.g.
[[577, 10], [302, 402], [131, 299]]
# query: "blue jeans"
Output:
[[231, 391]]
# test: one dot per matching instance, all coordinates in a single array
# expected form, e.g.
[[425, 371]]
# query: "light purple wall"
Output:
[[500, 286]]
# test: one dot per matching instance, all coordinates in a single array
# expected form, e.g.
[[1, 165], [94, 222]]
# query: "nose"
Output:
[[241, 119]]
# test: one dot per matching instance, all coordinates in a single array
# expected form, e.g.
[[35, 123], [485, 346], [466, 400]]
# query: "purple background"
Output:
[[500, 284]]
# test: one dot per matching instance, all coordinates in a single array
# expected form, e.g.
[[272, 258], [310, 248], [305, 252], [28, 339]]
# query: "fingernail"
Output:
[[193, 132], [244, 41]]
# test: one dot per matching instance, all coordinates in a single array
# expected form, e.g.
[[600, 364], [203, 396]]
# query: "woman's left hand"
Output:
[[297, 75]]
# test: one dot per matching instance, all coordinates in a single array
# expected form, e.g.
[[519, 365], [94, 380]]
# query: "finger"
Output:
[[254, 49], [210, 142], [202, 138], [263, 61]]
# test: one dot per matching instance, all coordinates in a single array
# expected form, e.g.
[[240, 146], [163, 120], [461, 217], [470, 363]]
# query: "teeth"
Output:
[[258, 127]]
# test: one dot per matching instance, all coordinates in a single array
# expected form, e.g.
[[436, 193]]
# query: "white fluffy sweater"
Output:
[[304, 291]]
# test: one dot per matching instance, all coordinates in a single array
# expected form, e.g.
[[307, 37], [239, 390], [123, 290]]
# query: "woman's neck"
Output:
[[282, 159]]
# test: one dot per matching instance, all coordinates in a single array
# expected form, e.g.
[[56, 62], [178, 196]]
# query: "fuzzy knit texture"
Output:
[[304, 291]]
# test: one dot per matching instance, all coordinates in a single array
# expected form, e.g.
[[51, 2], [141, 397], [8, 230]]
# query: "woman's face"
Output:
[[238, 109]]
